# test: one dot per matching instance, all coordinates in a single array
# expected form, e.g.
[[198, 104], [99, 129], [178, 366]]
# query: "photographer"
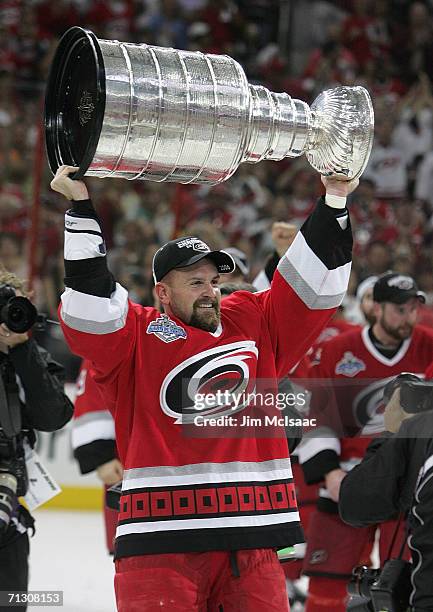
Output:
[[396, 476], [31, 397]]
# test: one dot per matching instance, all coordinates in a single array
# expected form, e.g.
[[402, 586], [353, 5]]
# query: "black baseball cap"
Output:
[[241, 260], [396, 288], [184, 252]]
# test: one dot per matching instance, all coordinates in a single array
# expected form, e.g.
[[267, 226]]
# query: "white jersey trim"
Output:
[[102, 315], [208, 523], [98, 429], [310, 447], [314, 272], [378, 356], [199, 473]]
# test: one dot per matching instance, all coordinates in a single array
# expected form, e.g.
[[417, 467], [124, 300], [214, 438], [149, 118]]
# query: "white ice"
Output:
[[68, 554]]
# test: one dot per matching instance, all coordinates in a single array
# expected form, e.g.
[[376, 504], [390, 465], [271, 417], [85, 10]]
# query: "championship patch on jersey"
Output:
[[166, 330], [349, 365]]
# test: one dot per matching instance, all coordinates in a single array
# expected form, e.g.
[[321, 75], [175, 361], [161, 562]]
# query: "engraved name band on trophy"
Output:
[[136, 111]]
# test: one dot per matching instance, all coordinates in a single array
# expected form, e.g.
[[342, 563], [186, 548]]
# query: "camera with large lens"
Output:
[[13, 475], [13, 471], [386, 590], [360, 586], [17, 312]]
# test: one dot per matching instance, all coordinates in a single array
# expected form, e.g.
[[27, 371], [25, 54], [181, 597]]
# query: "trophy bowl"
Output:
[[137, 111]]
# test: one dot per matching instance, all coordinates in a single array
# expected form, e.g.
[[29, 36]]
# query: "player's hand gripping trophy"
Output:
[[141, 112]]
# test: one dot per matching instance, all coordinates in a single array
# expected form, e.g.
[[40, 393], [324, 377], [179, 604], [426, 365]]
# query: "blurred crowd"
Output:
[[298, 46]]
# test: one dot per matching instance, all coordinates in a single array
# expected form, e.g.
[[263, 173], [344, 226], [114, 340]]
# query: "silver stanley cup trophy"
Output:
[[136, 111]]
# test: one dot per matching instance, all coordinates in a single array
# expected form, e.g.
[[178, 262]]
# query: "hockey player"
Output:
[[364, 295], [94, 442], [200, 518], [356, 366]]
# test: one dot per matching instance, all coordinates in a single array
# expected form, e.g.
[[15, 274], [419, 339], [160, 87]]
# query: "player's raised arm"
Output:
[[312, 276], [93, 307]]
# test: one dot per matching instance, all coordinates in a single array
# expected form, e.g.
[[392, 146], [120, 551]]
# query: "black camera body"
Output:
[[416, 395], [17, 312], [12, 460], [13, 470], [386, 590]]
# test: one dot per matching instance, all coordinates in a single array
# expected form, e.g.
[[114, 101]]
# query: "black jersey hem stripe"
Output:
[[205, 540]]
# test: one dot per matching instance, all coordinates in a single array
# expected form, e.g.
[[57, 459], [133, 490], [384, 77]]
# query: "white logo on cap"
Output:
[[401, 282], [193, 243]]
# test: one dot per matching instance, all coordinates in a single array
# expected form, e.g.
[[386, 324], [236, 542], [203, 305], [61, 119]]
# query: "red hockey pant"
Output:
[[219, 581], [339, 548]]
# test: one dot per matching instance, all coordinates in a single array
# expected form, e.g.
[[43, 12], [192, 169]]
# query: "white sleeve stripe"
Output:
[[93, 314], [313, 271], [313, 300], [90, 432], [92, 416], [310, 447], [83, 246], [81, 224]]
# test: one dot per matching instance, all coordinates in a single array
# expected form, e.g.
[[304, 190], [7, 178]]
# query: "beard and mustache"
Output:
[[398, 333], [206, 319]]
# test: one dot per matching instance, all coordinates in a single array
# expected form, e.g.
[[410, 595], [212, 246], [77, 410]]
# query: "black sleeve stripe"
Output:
[[91, 456], [89, 276], [83, 208], [71, 231], [318, 466], [328, 241], [272, 265]]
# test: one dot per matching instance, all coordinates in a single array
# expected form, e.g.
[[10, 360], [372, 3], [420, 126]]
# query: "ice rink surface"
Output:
[[68, 554]]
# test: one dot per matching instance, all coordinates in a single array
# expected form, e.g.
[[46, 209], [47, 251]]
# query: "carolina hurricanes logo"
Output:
[[368, 407], [230, 369]]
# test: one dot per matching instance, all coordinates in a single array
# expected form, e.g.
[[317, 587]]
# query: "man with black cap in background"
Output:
[[200, 516], [350, 377]]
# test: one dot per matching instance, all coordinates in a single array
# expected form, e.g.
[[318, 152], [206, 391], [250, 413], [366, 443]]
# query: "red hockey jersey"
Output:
[[347, 386], [93, 437], [194, 494]]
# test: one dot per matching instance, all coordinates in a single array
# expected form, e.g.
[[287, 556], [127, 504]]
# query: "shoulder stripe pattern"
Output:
[[323, 281], [90, 285], [102, 315], [318, 287], [98, 425], [83, 238], [323, 438]]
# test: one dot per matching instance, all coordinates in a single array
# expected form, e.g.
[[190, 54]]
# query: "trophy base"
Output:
[[75, 102]]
